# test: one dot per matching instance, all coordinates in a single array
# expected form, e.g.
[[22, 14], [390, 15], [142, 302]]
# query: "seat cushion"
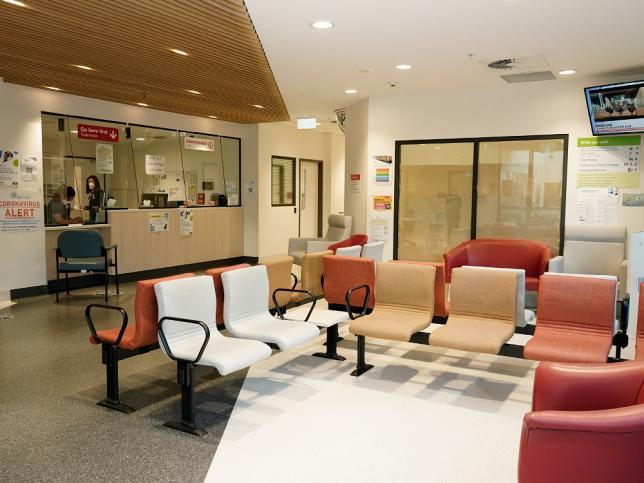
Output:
[[319, 317], [392, 323], [128, 341], [77, 264], [474, 334], [566, 346], [283, 333], [226, 354]]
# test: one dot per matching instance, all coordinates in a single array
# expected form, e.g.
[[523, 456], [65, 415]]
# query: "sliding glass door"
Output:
[[518, 185]]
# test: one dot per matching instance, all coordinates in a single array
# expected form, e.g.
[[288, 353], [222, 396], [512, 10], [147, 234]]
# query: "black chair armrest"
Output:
[[92, 328], [367, 297], [292, 290], [620, 339], [295, 280], [164, 341]]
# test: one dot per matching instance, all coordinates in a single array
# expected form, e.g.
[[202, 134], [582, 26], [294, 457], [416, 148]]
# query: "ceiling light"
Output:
[[212, 117], [15, 2], [142, 104], [74, 132], [403, 66], [139, 139], [258, 106], [318, 123], [351, 91], [180, 52], [322, 24], [84, 67], [567, 72], [51, 88], [191, 91]]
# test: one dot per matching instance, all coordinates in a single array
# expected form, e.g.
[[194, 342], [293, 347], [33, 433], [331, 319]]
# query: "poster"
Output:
[[186, 222], [598, 205], [382, 202], [29, 171], [609, 162], [21, 211], [381, 170], [9, 166], [105, 158], [154, 165], [199, 144], [633, 199], [159, 222], [378, 228], [355, 183]]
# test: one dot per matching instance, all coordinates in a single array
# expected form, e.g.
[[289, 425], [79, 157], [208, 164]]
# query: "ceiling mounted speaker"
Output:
[[341, 117]]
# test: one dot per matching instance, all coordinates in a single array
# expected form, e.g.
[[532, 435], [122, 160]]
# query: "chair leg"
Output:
[[111, 361], [187, 422], [107, 277], [331, 345], [361, 366], [116, 276], [57, 285], [67, 282]]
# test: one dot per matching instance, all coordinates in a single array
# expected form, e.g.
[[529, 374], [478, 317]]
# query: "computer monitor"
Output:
[[154, 200]]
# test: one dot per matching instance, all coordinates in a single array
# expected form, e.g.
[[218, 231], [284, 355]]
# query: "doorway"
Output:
[[311, 198]]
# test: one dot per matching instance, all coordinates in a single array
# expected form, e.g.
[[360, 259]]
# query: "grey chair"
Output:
[[339, 229], [84, 251]]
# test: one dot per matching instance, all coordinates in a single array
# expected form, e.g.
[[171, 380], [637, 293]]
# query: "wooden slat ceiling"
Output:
[[128, 44]]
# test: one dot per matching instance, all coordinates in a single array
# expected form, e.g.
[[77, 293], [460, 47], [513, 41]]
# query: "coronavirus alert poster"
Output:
[[20, 211]]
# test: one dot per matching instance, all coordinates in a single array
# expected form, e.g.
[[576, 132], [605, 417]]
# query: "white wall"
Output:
[[551, 107], [22, 254], [278, 224]]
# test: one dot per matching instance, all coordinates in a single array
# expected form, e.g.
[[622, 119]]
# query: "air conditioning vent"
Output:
[[502, 64], [529, 77]]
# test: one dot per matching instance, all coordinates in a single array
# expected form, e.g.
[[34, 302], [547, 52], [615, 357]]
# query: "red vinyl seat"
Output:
[[344, 273], [528, 255], [586, 424], [349, 242], [215, 273]]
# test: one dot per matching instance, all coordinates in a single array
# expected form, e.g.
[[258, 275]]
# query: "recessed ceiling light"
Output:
[[437, 147], [322, 24], [142, 104], [139, 139], [318, 123], [15, 2], [258, 106], [84, 67], [403, 66], [180, 52], [212, 117], [74, 132], [191, 91], [567, 72], [52, 88], [351, 91]]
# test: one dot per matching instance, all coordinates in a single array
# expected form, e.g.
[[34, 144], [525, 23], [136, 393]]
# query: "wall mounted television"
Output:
[[616, 108]]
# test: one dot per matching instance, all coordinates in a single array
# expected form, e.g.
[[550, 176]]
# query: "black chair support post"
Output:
[[361, 365]]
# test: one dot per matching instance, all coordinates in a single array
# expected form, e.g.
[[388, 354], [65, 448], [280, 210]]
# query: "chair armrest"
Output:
[[457, 257], [314, 246], [164, 341], [620, 339], [623, 278], [584, 387], [92, 328], [556, 264], [293, 290], [617, 420], [295, 280], [110, 247], [298, 244], [347, 301]]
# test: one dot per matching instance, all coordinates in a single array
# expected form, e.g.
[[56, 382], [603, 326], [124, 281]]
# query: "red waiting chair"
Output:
[[353, 240]]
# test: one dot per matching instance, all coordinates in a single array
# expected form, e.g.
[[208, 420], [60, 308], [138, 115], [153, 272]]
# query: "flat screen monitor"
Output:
[[616, 108]]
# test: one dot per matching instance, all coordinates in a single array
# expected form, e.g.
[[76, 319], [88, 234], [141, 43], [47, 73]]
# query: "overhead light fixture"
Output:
[[212, 117], [322, 24], [84, 67], [180, 52], [52, 88], [191, 91], [139, 139], [318, 123], [258, 106], [567, 72], [306, 123], [404, 66], [15, 2], [351, 91], [142, 104], [74, 132]]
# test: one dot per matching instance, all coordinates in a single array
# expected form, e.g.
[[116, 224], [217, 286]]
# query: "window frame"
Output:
[[293, 183]]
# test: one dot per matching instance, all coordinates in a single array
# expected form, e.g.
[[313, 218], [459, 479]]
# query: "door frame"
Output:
[[320, 164], [476, 141]]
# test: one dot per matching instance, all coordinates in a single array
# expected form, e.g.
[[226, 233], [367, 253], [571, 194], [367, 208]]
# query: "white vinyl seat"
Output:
[[352, 251], [195, 340], [374, 250], [319, 317], [246, 312]]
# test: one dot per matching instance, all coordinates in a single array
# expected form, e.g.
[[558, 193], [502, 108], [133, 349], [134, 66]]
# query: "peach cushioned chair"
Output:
[[215, 273], [586, 424], [483, 310], [128, 340], [279, 276], [639, 345], [404, 306], [441, 305], [576, 318], [310, 276]]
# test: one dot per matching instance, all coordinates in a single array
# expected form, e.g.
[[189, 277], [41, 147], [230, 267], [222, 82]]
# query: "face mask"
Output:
[[91, 185]]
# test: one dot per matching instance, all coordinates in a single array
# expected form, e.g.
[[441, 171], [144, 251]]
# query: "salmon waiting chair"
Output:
[[130, 339], [342, 274]]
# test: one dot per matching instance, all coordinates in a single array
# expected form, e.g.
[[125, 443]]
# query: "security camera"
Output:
[[392, 83]]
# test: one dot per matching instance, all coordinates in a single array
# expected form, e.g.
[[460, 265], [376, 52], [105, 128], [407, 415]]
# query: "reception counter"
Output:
[[218, 233]]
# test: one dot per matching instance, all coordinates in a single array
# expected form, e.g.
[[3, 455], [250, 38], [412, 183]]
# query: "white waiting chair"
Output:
[[246, 312], [188, 334], [352, 251], [374, 250]]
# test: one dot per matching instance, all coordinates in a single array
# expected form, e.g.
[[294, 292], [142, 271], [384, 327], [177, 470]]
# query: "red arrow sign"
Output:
[[98, 133]]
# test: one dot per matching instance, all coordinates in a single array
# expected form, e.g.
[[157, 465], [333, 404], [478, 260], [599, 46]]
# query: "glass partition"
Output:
[[231, 152]]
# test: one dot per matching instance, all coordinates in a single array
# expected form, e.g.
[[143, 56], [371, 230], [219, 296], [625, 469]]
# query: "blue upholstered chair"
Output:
[[84, 251]]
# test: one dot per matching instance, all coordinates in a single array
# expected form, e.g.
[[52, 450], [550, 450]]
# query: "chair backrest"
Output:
[[279, 276], [344, 273], [639, 343], [215, 273], [529, 255], [405, 285], [484, 293], [312, 270], [352, 251], [187, 298], [246, 294], [358, 239], [339, 228], [579, 303], [80, 244], [594, 249], [441, 306], [373, 250], [146, 312]]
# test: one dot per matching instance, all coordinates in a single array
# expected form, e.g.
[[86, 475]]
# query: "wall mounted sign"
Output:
[[186, 222], [598, 206], [104, 158], [98, 133], [382, 202], [159, 222], [609, 162], [154, 165], [199, 144], [9, 167], [21, 211], [356, 183]]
